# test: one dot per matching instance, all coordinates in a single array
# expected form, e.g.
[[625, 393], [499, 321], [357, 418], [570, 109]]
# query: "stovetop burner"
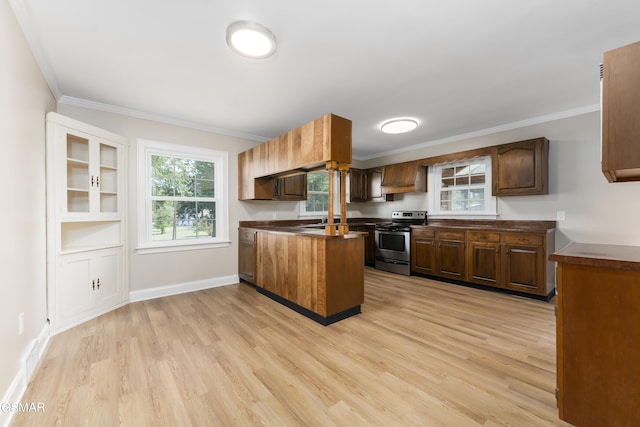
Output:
[[392, 226]]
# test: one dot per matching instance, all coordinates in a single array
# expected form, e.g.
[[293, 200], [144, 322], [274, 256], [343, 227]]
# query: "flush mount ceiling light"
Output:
[[399, 126], [251, 39]]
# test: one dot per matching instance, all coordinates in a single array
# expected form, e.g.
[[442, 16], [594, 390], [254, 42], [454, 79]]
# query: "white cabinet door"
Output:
[[73, 291], [90, 283], [109, 273], [90, 176]]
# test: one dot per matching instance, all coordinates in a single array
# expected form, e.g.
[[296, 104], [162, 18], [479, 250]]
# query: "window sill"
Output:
[[179, 247]]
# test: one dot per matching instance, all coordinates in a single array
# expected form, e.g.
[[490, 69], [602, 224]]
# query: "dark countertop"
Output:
[[308, 227], [492, 225], [616, 257]]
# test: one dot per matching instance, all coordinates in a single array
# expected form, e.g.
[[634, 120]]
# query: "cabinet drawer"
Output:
[[523, 239], [247, 235], [483, 236], [450, 235], [422, 232]]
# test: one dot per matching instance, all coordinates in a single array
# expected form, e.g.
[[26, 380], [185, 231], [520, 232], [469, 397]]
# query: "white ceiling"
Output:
[[459, 66]]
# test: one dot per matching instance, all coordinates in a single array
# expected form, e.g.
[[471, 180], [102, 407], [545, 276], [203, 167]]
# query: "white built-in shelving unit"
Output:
[[86, 221]]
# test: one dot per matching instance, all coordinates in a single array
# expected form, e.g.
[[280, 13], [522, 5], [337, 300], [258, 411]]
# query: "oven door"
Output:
[[392, 245]]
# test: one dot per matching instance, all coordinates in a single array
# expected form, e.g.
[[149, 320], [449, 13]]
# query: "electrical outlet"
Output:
[[561, 215], [274, 215], [20, 323]]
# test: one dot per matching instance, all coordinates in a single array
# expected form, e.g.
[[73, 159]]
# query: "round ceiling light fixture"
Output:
[[251, 39], [395, 126]]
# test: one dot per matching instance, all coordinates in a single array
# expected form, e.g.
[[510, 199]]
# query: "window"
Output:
[[182, 197], [462, 188], [317, 202]]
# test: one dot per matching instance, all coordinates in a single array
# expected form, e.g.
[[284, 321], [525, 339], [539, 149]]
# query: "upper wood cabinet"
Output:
[[374, 186], [306, 147], [621, 114], [521, 168], [357, 185], [291, 188]]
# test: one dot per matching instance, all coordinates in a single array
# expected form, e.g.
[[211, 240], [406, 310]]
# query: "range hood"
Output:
[[407, 177]]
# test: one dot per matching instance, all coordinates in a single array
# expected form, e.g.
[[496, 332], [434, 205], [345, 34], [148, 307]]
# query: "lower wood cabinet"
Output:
[[484, 256], [598, 326], [524, 263], [511, 260], [369, 242], [423, 250], [450, 254], [247, 254]]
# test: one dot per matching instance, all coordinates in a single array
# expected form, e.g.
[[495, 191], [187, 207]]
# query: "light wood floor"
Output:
[[422, 353]]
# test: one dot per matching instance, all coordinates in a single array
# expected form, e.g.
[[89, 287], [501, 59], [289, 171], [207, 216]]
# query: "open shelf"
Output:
[[88, 235]]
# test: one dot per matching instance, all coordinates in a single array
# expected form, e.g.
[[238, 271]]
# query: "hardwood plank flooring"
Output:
[[422, 353]]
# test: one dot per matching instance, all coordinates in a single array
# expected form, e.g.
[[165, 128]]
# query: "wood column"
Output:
[[330, 228], [343, 228]]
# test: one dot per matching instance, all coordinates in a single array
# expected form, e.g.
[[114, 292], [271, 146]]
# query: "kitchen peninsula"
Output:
[[316, 270], [321, 276]]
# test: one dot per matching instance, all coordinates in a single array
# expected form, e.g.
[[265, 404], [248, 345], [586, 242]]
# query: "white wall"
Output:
[[24, 101], [596, 211]]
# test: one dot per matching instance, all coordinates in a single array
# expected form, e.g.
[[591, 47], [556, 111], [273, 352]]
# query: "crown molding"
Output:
[[488, 131], [33, 40], [130, 112]]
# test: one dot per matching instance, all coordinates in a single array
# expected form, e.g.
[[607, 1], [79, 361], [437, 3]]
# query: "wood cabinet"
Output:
[[450, 254], [86, 221], [291, 188], [247, 254], [620, 112], [438, 252], [598, 325], [357, 185], [524, 263], [508, 258], [521, 168], [423, 250], [306, 147], [374, 186], [483, 255], [369, 242], [318, 276]]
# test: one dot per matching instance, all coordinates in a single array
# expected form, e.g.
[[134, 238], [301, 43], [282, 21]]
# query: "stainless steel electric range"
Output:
[[393, 241]]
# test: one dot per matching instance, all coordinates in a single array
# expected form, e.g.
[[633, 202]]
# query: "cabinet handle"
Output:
[[92, 180], [507, 251], [98, 283], [93, 284], [498, 250], [97, 181]]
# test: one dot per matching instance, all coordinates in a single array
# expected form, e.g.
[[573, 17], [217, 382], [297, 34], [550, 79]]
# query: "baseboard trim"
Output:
[[18, 386], [181, 288]]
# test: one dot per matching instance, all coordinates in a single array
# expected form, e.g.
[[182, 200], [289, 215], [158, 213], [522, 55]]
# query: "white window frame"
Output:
[[147, 149], [336, 199], [435, 187]]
